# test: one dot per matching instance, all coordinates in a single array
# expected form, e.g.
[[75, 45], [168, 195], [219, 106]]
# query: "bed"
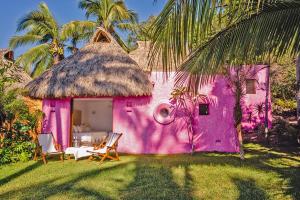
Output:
[[88, 138]]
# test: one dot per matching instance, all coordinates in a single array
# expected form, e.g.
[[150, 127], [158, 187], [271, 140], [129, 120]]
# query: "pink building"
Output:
[[102, 88]]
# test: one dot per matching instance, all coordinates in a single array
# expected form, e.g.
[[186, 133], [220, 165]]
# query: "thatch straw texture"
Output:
[[20, 77], [101, 68], [3, 52], [141, 56]]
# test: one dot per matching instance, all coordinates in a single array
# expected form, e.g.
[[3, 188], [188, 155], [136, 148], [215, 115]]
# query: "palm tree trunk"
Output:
[[298, 92], [238, 112], [238, 125], [240, 137]]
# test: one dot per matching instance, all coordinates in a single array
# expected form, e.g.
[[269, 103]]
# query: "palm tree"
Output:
[[47, 37], [186, 33], [75, 32], [111, 15]]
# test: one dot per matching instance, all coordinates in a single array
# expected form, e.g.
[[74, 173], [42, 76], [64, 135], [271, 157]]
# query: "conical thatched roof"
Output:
[[20, 77], [101, 68]]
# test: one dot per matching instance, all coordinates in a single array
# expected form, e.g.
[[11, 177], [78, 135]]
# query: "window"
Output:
[[250, 86], [9, 55], [203, 109]]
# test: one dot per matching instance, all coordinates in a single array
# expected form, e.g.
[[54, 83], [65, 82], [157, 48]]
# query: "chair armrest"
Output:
[[100, 146]]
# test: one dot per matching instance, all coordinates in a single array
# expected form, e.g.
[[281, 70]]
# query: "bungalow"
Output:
[[101, 89]]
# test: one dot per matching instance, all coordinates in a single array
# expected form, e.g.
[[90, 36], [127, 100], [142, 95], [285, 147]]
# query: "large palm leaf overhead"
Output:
[[111, 15], [40, 29], [252, 30]]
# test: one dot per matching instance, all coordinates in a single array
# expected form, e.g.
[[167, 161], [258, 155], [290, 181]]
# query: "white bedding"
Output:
[[91, 137], [79, 152]]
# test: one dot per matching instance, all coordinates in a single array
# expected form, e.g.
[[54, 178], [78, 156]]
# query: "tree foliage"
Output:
[[247, 31], [48, 39], [16, 122], [112, 15]]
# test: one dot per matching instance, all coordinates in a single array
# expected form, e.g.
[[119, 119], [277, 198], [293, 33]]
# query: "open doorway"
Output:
[[92, 120]]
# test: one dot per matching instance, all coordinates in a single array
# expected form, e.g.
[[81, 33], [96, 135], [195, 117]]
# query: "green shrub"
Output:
[[284, 107], [16, 145]]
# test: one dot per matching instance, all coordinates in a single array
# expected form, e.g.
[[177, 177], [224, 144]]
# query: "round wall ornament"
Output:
[[164, 113]]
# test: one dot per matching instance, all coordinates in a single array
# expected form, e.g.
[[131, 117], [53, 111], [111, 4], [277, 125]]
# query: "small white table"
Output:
[[79, 152]]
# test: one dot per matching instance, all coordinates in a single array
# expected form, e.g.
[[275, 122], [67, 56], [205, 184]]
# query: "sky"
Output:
[[63, 10]]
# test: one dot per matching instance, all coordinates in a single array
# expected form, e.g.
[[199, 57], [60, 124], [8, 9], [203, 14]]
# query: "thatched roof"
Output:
[[21, 78], [6, 55], [3, 51], [101, 68], [141, 56]]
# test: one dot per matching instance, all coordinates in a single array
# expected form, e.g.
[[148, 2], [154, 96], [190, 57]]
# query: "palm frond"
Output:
[[273, 29], [78, 29], [183, 24], [17, 41], [123, 13], [33, 56], [43, 64], [41, 20], [91, 6]]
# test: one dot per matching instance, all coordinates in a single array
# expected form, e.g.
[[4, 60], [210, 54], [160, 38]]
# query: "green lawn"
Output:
[[265, 174]]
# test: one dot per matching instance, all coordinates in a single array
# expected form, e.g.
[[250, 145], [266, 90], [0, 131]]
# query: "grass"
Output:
[[265, 174]]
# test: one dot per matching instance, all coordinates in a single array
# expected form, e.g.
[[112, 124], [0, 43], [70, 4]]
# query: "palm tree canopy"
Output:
[[77, 31], [273, 29], [183, 24], [47, 37], [41, 29], [111, 14], [208, 34]]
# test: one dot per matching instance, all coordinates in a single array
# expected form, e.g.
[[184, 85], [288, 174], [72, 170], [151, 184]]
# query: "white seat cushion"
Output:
[[79, 152], [101, 151]]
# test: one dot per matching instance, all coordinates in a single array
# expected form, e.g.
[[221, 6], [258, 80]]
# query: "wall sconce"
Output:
[[52, 106], [129, 104]]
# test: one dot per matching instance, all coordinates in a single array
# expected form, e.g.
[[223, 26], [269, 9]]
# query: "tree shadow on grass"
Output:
[[154, 178], [20, 173], [248, 190], [257, 159], [46, 189], [157, 182], [289, 173]]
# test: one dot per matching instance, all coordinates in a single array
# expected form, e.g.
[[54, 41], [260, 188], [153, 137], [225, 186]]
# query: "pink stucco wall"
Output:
[[214, 132], [142, 134], [133, 117], [57, 120]]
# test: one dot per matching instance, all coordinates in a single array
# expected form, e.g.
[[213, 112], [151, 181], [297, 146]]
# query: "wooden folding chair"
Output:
[[49, 147], [110, 145]]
